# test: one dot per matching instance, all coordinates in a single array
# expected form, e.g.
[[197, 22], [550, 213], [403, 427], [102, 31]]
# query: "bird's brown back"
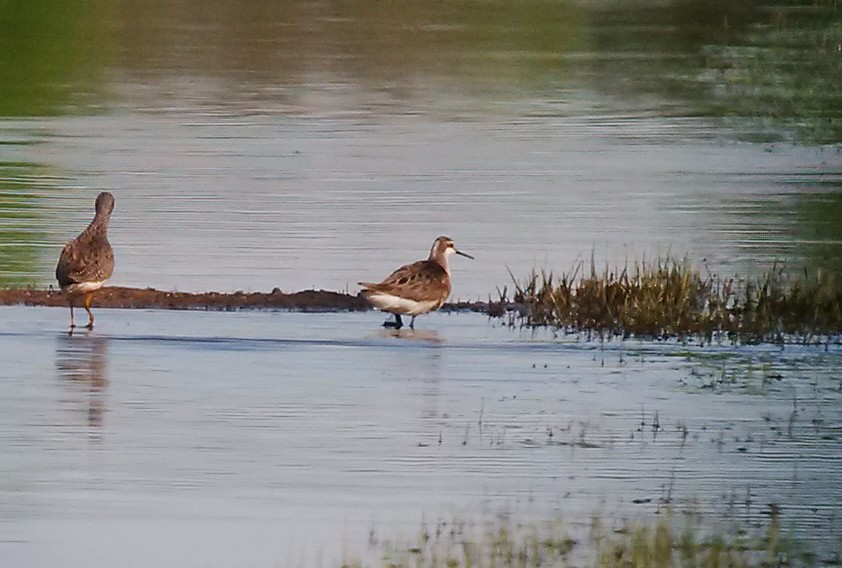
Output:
[[88, 257], [420, 281]]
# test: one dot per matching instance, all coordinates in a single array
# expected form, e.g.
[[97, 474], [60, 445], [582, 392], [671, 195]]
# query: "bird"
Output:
[[87, 261], [416, 288]]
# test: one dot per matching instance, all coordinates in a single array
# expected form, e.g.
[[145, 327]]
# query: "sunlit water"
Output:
[[209, 200], [303, 144], [275, 438]]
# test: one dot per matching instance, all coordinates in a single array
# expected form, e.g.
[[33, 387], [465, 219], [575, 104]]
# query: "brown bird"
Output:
[[416, 288], [87, 261]]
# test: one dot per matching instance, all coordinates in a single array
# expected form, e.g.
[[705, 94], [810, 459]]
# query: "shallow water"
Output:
[[316, 144], [270, 438]]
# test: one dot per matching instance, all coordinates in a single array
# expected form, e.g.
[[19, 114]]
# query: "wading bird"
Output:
[[416, 288], [87, 261]]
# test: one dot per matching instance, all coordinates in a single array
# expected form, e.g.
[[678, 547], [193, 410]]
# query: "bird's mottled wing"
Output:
[[80, 263], [66, 263], [419, 281]]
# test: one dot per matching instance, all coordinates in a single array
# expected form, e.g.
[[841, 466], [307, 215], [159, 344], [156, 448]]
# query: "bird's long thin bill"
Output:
[[466, 255]]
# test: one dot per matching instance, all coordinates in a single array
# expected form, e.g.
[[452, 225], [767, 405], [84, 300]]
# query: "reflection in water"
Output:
[[697, 58], [819, 228], [322, 433], [20, 223], [428, 335], [422, 369], [583, 127], [52, 55], [82, 359], [430, 375]]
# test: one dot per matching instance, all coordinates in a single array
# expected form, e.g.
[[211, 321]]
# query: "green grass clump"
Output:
[[670, 298], [505, 544]]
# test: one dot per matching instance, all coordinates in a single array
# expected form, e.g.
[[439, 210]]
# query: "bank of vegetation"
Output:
[[670, 298]]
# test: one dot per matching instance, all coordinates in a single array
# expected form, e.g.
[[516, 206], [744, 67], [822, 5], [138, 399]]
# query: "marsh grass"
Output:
[[671, 298], [506, 544]]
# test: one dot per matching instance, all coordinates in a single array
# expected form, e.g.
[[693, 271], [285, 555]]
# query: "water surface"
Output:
[[316, 144], [277, 438]]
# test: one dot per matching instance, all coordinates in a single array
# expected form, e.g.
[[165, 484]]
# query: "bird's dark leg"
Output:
[[72, 323], [412, 323], [89, 297], [397, 324]]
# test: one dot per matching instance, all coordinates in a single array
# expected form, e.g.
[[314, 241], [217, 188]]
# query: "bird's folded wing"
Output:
[[75, 265], [417, 281]]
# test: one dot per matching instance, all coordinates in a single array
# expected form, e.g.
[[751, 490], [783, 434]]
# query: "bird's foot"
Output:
[[396, 324]]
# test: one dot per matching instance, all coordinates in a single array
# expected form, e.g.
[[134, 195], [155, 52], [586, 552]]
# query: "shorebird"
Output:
[[87, 261], [416, 288]]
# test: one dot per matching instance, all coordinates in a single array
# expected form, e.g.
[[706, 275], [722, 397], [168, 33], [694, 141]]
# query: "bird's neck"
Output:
[[441, 260], [98, 227]]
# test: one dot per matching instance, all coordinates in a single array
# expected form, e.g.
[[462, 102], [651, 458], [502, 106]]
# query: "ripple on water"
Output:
[[270, 417]]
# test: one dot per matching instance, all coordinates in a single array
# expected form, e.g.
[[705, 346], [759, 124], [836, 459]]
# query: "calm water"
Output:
[[224, 203], [220, 202], [316, 144], [271, 438]]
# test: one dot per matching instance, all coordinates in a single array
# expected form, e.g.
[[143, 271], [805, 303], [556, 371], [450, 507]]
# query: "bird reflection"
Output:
[[82, 360], [423, 368], [427, 335]]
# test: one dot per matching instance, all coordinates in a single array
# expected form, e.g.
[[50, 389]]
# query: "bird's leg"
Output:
[[398, 321], [89, 297], [397, 324], [412, 323], [72, 323]]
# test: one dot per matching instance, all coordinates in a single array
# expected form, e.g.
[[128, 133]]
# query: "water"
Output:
[[246, 155], [330, 202], [313, 145], [278, 437]]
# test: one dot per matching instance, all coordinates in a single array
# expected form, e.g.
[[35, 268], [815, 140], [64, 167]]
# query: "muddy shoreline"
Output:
[[150, 298]]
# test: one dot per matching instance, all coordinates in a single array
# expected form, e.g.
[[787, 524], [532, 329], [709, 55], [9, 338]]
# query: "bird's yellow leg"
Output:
[[89, 297]]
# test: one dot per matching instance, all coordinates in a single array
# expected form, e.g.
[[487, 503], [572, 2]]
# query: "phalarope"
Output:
[[416, 288]]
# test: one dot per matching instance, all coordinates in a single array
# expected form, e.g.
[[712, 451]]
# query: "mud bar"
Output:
[[150, 298]]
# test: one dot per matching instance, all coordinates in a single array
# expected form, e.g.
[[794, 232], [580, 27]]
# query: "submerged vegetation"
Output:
[[504, 543], [670, 298]]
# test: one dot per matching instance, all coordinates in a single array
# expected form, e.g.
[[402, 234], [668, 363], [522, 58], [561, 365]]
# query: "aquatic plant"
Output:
[[670, 298], [504, 543]]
